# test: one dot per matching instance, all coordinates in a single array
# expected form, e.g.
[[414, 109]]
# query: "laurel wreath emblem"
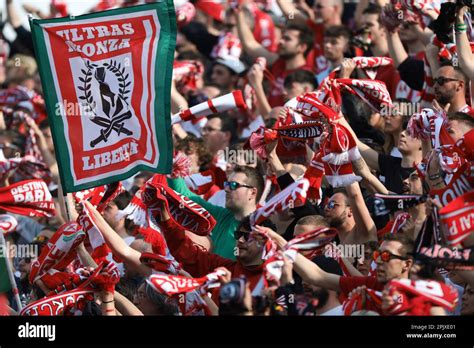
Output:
[[86, 78]]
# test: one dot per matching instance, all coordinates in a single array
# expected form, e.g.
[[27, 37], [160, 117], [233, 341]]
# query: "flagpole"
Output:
[[16, 293]]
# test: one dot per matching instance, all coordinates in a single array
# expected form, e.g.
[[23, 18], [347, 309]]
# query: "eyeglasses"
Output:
[[441, 80], [332, 205], [386, 256], [234, 185]]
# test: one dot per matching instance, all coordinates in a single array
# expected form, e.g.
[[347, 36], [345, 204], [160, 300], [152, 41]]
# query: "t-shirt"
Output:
[[222, 236], [279, 72], [467, 109], [391, 169], [347, 284]]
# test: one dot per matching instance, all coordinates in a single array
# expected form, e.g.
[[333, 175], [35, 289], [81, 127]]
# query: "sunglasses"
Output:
[[239, 234], [442, 80], [234, 185], [386, 256], [332, 205]]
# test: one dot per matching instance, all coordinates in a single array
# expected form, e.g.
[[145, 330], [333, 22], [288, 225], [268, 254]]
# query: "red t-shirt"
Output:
[[279, 72]]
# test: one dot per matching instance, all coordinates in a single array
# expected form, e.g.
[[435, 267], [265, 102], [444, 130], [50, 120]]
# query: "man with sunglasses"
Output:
[[450, 86], [393, 262], [243, 190]]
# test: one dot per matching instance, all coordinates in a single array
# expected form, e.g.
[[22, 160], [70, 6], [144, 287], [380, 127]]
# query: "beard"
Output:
[[337, 221], [322, 295], [444, 99]]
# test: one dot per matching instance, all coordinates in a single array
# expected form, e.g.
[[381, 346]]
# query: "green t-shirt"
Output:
[[222, 235]]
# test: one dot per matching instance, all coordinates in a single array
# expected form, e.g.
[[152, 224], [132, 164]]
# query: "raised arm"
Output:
[[465, 56], [292, 12], [395, 47], [365, 226], [312, 274], [251, 46], [255, 77], [116, 243]]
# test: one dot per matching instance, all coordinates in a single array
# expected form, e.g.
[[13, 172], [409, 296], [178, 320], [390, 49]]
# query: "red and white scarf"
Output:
[[292, 196], [314, 173], [174, 284], [8, 224], [59, 252], [186, 73], [429, 124], [417, 297], [356, 302], [368, 65], [228, 47], [190, 215], [226, 102], [458, 217], [29, 197]]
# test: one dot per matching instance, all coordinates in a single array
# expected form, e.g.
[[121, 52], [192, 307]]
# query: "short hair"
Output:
[[229, 124], [462, 117], [373, 9], [306, 36], [314, 220], [300, 76], [163, 306], [457, 70], [123, 199], [192, 143], [253, 178], [246, 225], [335, 31], [408, 245]]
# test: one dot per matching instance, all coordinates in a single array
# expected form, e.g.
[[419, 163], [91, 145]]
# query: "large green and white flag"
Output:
[[106, 77]]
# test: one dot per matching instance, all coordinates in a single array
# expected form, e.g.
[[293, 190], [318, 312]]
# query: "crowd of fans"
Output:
[[363, 241]]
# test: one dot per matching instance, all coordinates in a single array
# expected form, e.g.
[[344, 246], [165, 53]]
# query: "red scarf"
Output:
[[29, 197], [458, 217], [59, 252], [355, 302], [429, 124], [173, 284], [416, 297], [181, 209], [314, 173], [292, 196], [186, 73]]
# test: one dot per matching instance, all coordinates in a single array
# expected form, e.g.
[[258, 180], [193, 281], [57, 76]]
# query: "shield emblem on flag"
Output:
[[106, 77]]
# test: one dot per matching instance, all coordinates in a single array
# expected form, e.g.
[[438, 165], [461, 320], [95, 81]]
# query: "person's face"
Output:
[[10, 150], [446, 92], [222, 77], [110, 213], [408, 33], [213, 136], [324, 10], [334, 48], [302, 229], [337, 211], [457, 129], [315, 292], [363, 265], [143, 303], [49, 138], [467, 306], [296, 89], [407, 144], [25, 267], [394, 268], [393, 124], [289, 45], [251, 249], [371, 21], [413, 184], [237, 200]]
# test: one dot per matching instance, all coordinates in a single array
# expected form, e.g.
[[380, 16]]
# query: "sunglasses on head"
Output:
[[386, 256], [441, 80], [234, 185]]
